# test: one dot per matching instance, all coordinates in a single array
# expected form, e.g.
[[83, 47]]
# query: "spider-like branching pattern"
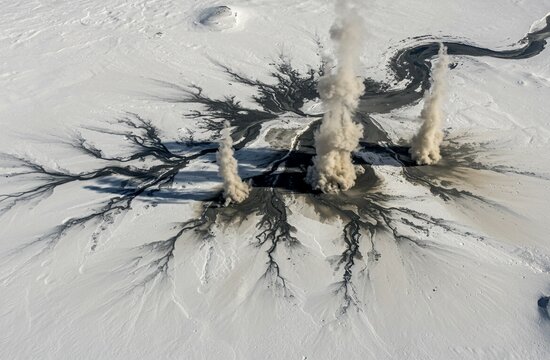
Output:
[[150, 163]]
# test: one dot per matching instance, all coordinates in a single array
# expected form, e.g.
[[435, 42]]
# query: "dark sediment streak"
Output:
[[413, 65], [365, 210]]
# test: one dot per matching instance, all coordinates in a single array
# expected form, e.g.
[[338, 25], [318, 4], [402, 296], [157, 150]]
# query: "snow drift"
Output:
[[218, 18]]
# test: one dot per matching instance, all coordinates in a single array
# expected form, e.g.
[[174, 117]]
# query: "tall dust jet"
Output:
[[425, 144], [339, 135], [234, 189]]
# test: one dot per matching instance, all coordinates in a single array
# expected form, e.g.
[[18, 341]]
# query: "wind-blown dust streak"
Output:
[[339, 135], [425, 144], [234, 189]]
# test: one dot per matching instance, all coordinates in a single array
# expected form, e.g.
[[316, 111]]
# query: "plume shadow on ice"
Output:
[[290, 181], [542, 304]]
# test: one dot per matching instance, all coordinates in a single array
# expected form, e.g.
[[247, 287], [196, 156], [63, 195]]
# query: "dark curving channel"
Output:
[[413, 64]]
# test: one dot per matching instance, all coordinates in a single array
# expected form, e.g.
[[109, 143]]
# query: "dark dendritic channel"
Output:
[[154, 163]]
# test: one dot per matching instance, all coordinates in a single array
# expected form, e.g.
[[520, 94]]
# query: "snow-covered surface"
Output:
[[70, 67]]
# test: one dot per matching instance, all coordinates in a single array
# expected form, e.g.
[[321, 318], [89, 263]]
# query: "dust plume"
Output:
[[339, 135], [234, 189], [425, 144]]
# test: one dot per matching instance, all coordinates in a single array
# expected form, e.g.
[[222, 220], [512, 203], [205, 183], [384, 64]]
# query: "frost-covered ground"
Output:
[[112, 241]]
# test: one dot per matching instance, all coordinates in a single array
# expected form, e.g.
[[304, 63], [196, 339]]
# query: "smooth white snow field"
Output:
[[455, 270]]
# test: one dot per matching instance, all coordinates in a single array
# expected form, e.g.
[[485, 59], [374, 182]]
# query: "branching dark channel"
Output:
[[149, 165]]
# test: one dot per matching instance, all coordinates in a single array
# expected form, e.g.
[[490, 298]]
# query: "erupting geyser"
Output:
[[425, 144], [339, 135], [234, 189]]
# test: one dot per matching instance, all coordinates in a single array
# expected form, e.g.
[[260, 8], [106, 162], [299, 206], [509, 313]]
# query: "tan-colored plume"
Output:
[[339, 135], [426, 143], [234, 189]]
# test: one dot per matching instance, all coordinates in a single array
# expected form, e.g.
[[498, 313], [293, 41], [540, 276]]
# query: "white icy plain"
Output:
[[70, 65]]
